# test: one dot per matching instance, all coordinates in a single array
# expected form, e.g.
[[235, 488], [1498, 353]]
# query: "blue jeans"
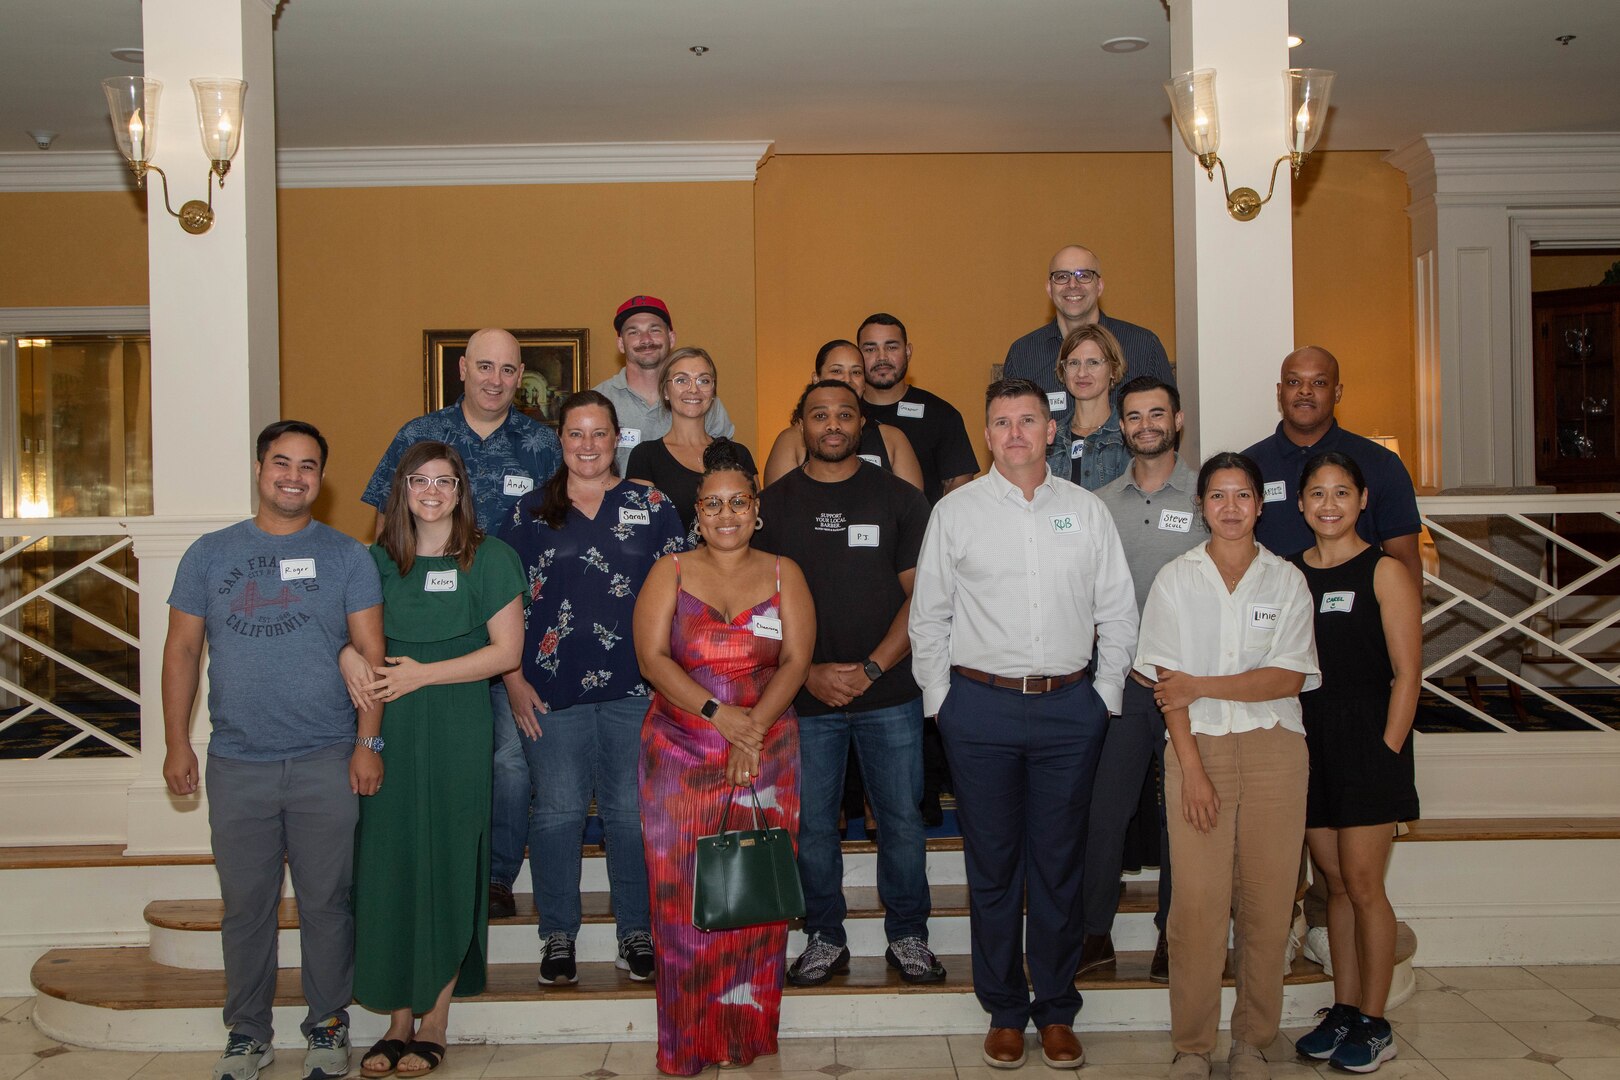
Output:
[[509, 807], [889, 744], [586, 748]]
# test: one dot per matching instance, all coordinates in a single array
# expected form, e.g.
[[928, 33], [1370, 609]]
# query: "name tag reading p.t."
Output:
[[1337, 601], [1264, 616], [628, 516], [1175, 521], [439, 581], [1065, 523], [1057, 400], [516, 485], [1276, 491], [863, 536], [629, 437], [911, 409], [765, 626], [297, 569]]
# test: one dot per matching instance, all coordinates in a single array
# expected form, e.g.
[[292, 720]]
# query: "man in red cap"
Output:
[[646, 335]]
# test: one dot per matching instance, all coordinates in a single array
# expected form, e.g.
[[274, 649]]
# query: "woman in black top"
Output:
[[1369, 644], [674, 464]]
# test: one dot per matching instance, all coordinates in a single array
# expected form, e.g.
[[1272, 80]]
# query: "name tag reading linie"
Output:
[[863, 536], [516, 485], [1337, 601], [766, 627], [439, 581], [297, 569], [628, 516], [1065, 523], [1276, 491], [630, 436], [1057, 400], [912, 409], [1264, 616], [1175, 520]]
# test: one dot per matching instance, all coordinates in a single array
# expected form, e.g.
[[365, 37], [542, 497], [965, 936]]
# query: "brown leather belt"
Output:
[[1027, 684]]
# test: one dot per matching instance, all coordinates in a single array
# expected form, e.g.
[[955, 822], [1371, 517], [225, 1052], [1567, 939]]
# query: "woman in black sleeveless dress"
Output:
[[1369, 643]]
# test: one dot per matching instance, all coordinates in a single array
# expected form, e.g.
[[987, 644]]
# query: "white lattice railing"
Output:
[[1514, 595], [72, 548]]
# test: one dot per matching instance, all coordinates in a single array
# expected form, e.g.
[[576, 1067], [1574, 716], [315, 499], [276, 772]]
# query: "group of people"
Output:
[[615, 610]]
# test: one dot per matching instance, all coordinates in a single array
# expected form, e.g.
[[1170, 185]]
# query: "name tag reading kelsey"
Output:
[[297, 569], [439, 581], [863, 536], [1337, 601], [1276, 491], [1065, 523], [628, 516], [1057, 400], [1266, 618], [765, 626], [1175, 521], [629, 437], [912, 409], [516, 485]]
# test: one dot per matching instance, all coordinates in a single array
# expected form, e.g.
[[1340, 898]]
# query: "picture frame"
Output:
[[555, 365]]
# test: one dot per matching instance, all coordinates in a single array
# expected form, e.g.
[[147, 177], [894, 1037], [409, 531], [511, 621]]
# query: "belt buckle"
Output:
[[1039, 679]]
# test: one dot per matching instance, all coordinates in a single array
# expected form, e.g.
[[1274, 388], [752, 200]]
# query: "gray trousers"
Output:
[[259, 812], [1134, 738]]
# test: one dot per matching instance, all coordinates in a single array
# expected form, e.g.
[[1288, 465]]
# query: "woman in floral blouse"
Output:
[[587, 540]]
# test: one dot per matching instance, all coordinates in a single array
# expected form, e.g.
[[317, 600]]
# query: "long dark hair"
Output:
[[554, 509], [399, 527]]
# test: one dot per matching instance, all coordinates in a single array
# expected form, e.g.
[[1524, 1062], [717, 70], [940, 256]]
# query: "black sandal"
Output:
[[432, 1053], [389, 1049]]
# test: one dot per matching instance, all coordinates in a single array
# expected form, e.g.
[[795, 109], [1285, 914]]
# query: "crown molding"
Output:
[[426, 166]]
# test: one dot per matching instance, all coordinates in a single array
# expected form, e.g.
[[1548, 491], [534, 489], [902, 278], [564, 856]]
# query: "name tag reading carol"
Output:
[[439, 581], [297, 569], [766, 627], [1337, 601]]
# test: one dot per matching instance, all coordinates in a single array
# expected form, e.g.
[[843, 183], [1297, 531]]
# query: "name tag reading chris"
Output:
[[440, 581], [765, 626], [1337, 601], [863, 536], [1057, 400], [516, 485], [628, 516], [630, 436], [912, 409], [1175, 521], [297, 569], [1264, 617], [1276, 491], [1065, 523]]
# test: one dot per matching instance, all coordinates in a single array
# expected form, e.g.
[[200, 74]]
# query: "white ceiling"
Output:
[[825, 76]]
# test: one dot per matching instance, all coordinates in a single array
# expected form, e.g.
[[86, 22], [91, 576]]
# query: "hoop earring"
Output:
[[759, 523]]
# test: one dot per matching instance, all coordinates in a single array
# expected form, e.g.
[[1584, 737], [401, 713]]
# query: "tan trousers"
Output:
[[1245, 869]]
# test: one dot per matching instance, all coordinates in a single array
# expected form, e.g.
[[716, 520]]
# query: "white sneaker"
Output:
[[1316, 948]]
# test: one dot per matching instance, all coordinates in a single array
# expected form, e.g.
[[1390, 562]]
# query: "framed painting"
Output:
[[554, 366]]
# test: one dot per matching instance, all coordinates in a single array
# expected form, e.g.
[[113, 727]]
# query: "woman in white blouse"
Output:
[[1227, 639]]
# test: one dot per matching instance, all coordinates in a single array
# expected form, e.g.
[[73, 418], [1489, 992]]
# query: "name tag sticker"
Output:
[[440, 581], [1337, 601], [863, 536], [1276, 491], [628, 516], [516, 485], [1266, 618], [297, 569], [630, 436], [873, 458], [912, 409], [1057, 400], [765, 626], [1065, 523], [1175, 521], [1077, 449]]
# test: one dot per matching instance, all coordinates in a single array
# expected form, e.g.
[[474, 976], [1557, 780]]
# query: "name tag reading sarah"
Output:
[[297, 569], [1337, 601], [628, 516], [1057, 400], [1065, 523], [1276, 491], [1175, 521], [629, 437], [863, 536], [911, 409], [516, 485], [765, 626], [439, 581], [1264, 617]]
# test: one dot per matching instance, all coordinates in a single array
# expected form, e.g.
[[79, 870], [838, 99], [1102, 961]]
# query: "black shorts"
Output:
[[1355, 778]]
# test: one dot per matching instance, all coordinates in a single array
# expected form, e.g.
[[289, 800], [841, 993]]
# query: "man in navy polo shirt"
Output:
[[508, 454], [1306, 396]]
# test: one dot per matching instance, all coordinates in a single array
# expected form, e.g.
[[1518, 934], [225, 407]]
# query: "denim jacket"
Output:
[[1104, 459]]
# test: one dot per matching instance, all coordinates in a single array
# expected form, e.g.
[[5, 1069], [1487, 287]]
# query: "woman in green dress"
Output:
[[453, 615]]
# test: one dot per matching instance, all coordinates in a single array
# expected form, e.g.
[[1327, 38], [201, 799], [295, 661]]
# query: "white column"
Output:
[[215, 350], [1234, 279]]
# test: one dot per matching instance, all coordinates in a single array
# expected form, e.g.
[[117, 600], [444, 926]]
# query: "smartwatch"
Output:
[[374, 743], [710, 707], [872, 670]]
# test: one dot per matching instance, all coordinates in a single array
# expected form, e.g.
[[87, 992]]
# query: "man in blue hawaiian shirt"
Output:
[[507, 455]]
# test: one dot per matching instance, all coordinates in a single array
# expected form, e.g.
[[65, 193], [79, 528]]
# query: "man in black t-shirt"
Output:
[[855, 531], [931, 423]]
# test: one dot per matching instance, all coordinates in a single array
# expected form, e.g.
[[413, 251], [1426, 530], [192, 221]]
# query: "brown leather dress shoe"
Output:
[[1060, 1047], [501, 903], [1096, 952], [1004, 1048], [1159, 969]]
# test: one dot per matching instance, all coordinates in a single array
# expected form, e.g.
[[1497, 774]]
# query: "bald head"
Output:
[[1316, 354], [493, 338], [1075, 300], [491, 369], [1308, 390]]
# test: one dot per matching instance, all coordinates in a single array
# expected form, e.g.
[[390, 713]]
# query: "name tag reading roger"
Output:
[[1337, 601], [516, 485], [1057, 400], [863, 536], [912, 409], [297, 569], [439, 581], [1264, 617], [628, 516], [1175, 521], [628, 437], [1065, 523], [1276, 491], [873, 458], [765, 626]]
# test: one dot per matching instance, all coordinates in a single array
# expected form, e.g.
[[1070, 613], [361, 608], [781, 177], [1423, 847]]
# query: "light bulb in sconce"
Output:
[[1302, 124], [137, 137]]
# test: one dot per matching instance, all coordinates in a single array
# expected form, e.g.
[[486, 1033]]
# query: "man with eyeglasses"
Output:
[[855, 530], [1074, 282], [507, 454], [646, 335]]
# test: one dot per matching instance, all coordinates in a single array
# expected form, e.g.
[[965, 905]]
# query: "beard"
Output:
[[851, 445]]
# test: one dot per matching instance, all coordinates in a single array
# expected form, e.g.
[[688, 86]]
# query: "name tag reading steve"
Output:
[[1057, 400], [1264, 617], [1065, 523], [630, 436], [1337, 601], [863, 536], [516, 485], [1276, 491], [912, 409], [765, 626], [439, 581], [297, 569], [1175, 521], [628, 516]]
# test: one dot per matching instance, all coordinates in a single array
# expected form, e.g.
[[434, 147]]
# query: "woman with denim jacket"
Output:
[[1089, 449]]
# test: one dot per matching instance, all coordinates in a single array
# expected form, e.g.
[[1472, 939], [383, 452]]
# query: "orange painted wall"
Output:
[[72, 249]]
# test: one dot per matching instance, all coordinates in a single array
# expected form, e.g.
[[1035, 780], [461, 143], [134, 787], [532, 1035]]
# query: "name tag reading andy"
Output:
[[1337, 601], [297, 569], [1276, 491], [765, 626], [1175, 521], [1057, 400], [863, 536], [873, 458], [628, 437], [1065, 523], [1266, 618], [912, 409], [516, 485], [440, 581], [628, 516]]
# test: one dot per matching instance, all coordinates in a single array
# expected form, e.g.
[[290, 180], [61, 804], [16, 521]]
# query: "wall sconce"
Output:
[[132, 103], [1192, 103]]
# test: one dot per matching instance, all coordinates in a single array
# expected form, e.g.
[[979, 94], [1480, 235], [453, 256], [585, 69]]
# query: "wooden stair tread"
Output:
[[1514, 828], [128, 978]]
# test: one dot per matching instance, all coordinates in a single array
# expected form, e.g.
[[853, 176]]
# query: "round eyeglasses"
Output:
[[711, 505]]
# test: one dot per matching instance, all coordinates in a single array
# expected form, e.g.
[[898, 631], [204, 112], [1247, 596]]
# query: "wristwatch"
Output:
[[374, 743], [710, 707], [872, 670]]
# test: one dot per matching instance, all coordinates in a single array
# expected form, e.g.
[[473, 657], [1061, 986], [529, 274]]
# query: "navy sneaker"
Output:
[[1336, 1022], [1369, 1044]]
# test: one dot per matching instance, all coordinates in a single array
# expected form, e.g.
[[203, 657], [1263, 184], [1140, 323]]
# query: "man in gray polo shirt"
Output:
[[1153, 509]]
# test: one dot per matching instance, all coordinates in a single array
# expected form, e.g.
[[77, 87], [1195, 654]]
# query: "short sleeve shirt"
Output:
[[642, 421], [936, 433], [275, 613], [516, 458], [1034, 357], [1154, 526]]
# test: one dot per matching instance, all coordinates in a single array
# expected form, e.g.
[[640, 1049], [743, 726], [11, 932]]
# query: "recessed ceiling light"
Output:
[[1295, 41], [698, 50], [1125, 44], [130, 56]]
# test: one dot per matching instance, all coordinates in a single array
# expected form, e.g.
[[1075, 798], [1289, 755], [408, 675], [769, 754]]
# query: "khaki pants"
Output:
[[1246, 868]]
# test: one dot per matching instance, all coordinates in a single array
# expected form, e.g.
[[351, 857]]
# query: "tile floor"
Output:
[[1484, 1023]]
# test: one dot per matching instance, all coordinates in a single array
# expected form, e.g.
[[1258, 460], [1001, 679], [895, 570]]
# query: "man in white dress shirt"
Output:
[[1019, 572]]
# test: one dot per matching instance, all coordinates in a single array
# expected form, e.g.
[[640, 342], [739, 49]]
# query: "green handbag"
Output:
[[746, 877]]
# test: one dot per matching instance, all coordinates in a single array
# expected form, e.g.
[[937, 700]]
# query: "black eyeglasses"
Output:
[[711, 505], [1084, 277]]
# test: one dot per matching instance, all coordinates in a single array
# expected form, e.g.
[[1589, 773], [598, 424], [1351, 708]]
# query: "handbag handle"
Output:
[[759, 813]]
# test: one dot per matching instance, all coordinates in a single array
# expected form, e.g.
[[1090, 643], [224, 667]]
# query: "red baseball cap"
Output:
[[636, 305]]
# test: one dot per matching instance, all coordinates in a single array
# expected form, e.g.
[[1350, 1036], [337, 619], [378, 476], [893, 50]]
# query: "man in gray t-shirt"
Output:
[[275, 598], [1153, 506]]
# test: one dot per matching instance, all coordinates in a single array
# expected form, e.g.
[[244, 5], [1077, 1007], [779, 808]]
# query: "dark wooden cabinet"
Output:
[[1577, 388]]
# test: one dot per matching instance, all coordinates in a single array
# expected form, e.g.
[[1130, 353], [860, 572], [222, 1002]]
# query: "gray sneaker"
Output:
[[243, 1058], [915, 960], [328, 1055], [820, 961]]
